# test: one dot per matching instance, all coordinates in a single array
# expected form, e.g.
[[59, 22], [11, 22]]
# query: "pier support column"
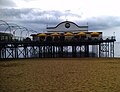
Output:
[[51, 51], [112, 49], [86, 50], [16, 52], [40, 51], [0, 52], [73, 51], [25, 52], [60, 51], [99, 50], [44, 51]]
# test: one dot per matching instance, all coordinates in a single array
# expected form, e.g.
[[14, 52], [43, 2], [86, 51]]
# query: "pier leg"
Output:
[[73, 51], [86, 50], [0, 52], [16, 52]]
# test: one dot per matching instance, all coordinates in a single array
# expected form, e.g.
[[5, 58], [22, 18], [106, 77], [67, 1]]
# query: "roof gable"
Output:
[[67, 26]]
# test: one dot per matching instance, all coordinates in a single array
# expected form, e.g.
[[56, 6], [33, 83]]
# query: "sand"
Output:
[[60, 75]]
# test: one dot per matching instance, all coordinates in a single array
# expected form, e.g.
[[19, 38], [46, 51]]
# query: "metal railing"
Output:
[[109, 38]]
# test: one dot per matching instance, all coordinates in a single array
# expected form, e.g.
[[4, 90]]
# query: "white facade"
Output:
[[67, 26]]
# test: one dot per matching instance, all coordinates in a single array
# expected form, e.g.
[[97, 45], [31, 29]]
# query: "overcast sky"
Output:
[[101, 15]]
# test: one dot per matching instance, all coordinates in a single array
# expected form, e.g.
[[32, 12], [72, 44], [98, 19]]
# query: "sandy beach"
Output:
[[60, 75]]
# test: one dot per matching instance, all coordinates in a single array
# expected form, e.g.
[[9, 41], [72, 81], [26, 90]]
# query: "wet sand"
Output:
[[60, 75]]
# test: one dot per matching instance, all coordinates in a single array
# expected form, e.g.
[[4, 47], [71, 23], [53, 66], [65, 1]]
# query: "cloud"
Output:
[[7, 3], [35, 18], [13, 14], [38, 19], [29, 0], [103, 22], [29, 16]]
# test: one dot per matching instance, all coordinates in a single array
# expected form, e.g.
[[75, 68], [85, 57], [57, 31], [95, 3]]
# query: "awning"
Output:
[[42, 34], [68, 34], [81, 34], [55, 34], [95, 34]]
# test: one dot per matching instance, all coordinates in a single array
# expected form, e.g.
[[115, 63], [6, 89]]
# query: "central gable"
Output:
[[67, 26]]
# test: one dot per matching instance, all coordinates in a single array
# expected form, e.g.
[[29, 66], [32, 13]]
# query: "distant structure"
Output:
[[66, 39], [5, 36]]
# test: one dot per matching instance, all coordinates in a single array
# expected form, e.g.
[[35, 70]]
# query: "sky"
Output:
[[100, 15]]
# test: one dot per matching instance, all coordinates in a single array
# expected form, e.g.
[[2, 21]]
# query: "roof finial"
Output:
[[66, 19], [46, 25]]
